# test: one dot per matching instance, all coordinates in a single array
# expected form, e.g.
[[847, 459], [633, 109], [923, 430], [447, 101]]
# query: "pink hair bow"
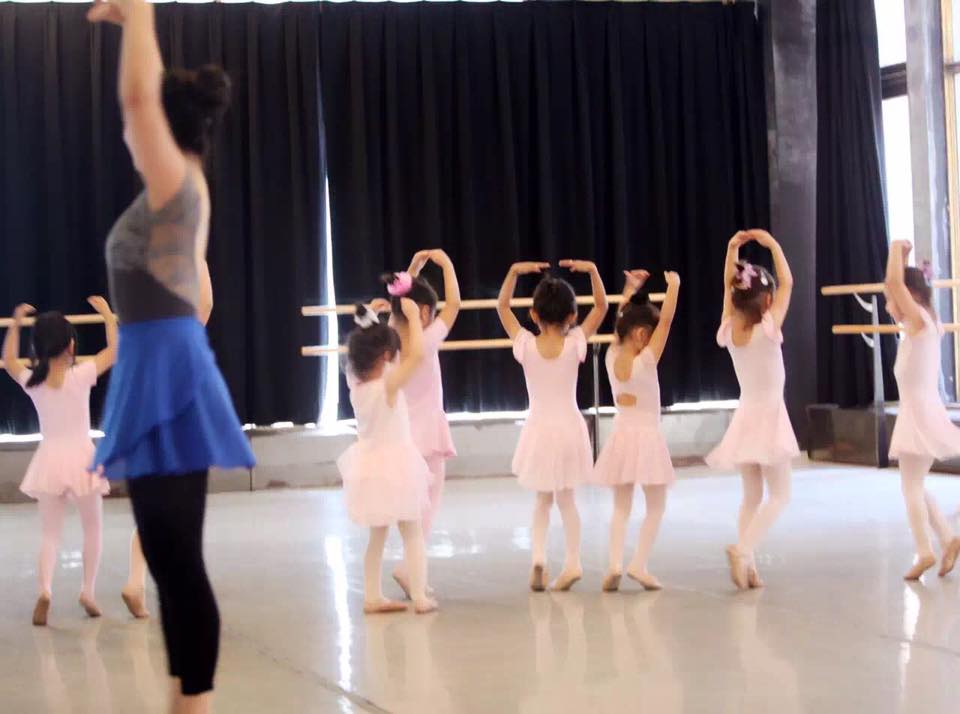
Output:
[[402, 282], [747, 274], [926, 267]]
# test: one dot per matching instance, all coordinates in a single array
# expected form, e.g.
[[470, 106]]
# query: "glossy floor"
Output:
[[836, 629]]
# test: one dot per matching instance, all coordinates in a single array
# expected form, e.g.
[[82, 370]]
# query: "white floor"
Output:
[[836, 629]]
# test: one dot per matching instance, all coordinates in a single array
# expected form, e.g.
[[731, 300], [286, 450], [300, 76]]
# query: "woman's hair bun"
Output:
[[213, 87], [195, 101]]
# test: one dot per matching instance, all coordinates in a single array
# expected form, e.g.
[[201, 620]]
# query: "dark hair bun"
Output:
[[195, 102]]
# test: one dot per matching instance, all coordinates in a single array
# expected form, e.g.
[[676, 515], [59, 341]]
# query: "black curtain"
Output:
[[851, 225], [632, 134], [65, 176]]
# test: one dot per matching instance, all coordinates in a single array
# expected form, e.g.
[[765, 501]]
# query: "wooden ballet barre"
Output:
[[448, 346], [91, 319], [871, 288], [480, 304], [882, 329]]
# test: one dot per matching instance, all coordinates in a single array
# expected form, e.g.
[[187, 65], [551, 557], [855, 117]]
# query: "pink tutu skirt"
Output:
[[636, 453], [759, 433], [553, 454], [384, 483], [59, 468], [924, 429]]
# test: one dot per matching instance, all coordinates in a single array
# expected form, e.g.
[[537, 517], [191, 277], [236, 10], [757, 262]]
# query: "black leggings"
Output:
[[169, 512]]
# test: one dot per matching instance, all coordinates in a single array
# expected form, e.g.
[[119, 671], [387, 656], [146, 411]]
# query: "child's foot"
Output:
[[136, 602], [90, 606], [566, 581], [383, 607], [738, 567], [41, 610], [538, 578], [950, 554], [404, 584], [422, 607], [753, 577], [611, 583], [648, 581], [920, 566]]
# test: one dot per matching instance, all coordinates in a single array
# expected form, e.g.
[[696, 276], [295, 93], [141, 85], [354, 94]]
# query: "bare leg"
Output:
[[373, 599]]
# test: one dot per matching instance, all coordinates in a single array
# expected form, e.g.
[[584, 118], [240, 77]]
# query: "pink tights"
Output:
[[438, 468], [757, 516], [52, 513], [656, 500], [922, 508]]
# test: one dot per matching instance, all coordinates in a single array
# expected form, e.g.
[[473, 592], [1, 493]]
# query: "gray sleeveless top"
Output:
[[151, 258]]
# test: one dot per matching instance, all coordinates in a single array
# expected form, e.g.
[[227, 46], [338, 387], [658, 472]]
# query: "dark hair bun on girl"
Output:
[[52, 335], [636, 313], [751, 284], [554, 301], [369, 342], [195, 102], [421, 292]]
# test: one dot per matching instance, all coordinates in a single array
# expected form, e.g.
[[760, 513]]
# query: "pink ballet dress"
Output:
[[424, 394], [554, 451], [636, 452], [923, 427], [384, 476], [60, 466], [760, 431]]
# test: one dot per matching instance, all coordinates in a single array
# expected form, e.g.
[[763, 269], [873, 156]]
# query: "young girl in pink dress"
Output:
[[636, 453], [59, 471], [424, 390], [759, 441], [385, 479], [923, 432], [553, 456]]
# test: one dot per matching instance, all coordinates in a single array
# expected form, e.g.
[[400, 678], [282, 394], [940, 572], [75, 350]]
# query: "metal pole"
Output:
[[596, 401], [879, 410]]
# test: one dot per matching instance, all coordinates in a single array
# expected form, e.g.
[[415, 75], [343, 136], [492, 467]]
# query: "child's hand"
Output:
[[419, 259], [100, 305], [739, 238], [578, 266], [672, 278], [636, 279], [21, 311], [902, 245], [380, 305], [438, 256], [528, 267], [115, 11], [410, 309]]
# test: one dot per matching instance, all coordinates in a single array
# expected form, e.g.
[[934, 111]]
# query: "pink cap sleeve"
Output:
[[725, 333], [579, 342], [520, 343], [434, 335], [647, 357], [770, 329], [87, 373]]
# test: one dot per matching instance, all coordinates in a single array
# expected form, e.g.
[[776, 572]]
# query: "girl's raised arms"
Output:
[[591, 323], [509, 321], [658, 340], [411, 355], [911, 310], [451, 286], [11, 342]]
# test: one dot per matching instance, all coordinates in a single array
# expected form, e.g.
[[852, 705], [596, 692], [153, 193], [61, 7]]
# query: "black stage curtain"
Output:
[[633, 134], [851, 225], [65, 176]]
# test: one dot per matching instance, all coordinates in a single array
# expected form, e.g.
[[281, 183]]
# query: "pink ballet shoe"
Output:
[[950, 555], [646, 580], [41, 610], [425, 607], [611, 583], [920, 566], [538, 578], [738, 567], [383, 607], [136, 603], [566, 581]]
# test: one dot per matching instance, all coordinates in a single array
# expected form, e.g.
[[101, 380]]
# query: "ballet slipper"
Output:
[[136, 602], [950, 554], [538, 578], [920, 566], [738, 567], [41, 610], [646, 580], [425, 606], [383, 607], [566, 581], [89, 606], [611, 583]]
